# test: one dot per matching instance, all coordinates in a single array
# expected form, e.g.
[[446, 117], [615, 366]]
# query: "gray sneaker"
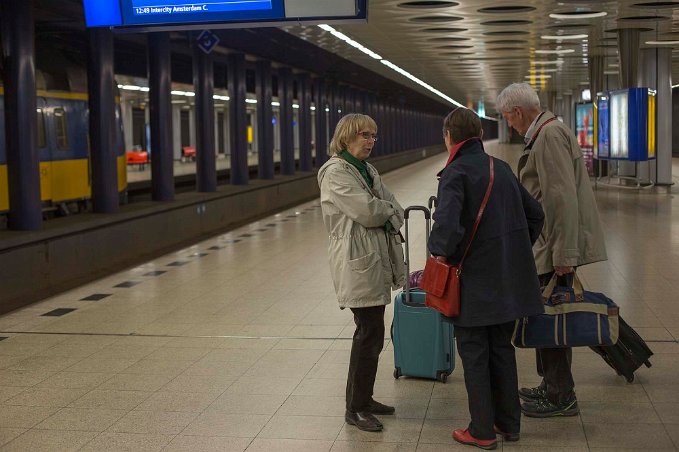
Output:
[[533, 394], [545, 408]]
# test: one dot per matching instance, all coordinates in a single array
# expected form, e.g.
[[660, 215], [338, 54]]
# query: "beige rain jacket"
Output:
[[366, 262], [554, 173]]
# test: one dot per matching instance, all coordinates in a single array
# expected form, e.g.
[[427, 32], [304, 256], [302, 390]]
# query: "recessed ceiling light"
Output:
[[554, 52], [662, 43], [610, 72], [436, 19], [563, 37], [578, 15], [427, 4], [507, 22]]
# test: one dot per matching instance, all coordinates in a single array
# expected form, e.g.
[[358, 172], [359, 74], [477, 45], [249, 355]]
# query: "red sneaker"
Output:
[[464, 437]]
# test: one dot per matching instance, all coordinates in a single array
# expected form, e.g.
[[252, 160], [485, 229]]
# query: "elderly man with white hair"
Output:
[[553, 171]]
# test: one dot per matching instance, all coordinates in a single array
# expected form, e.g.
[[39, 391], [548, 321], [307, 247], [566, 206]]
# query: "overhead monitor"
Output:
[[158, 15]]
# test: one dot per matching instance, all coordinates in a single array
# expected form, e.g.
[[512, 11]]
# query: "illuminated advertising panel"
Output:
[[651, 124], [603, 135], [584, 128], [156, 15], [619, 124], [631, 119]]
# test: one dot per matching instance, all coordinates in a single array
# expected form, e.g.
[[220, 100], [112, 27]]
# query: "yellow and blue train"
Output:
[[63, 148]]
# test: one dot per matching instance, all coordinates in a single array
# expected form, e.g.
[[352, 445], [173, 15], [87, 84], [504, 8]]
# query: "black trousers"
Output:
[[489, 362], [365, 352], [554, 365]]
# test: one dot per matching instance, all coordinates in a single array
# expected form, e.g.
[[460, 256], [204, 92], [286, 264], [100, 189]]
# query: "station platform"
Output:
[[237, 343]]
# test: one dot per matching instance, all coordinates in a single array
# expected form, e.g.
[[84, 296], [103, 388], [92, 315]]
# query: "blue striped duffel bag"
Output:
[[573, 317]]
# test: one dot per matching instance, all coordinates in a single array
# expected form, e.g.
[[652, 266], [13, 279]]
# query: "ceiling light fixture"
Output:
[[554, 52], [538, 76], [547, 63], [394, 67], [576, 15], [662, 43], [563, 37], [351, 42]]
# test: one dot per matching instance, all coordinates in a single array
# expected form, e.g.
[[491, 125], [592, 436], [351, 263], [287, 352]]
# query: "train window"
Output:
[[42, 138], [61, 128]]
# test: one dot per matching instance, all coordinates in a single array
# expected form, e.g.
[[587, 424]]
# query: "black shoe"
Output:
[[512, 437], [533, 394], [375, 407], [545, 408], [363, 420]]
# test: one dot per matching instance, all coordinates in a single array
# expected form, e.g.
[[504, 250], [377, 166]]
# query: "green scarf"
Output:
[[360, 165], [362, 168]]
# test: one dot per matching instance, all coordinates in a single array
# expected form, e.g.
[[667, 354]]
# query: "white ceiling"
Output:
[[471, 49]]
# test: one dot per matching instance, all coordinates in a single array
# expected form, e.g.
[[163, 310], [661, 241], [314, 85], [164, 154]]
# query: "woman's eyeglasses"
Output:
[[368, 135]]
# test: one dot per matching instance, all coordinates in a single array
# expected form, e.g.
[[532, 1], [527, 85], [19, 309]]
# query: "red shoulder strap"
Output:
[[484, 203]]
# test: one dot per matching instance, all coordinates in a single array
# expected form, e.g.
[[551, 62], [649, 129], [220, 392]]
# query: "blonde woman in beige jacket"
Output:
[[363, 219]]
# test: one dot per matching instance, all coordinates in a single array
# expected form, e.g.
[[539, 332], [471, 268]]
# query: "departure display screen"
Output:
[[175, 15], [145, 12]]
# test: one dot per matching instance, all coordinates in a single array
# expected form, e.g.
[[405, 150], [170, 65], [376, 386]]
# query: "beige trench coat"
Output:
[[366, 262], [554, 173]]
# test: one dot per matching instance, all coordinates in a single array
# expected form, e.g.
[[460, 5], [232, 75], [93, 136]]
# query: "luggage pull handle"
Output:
[[406, 216]]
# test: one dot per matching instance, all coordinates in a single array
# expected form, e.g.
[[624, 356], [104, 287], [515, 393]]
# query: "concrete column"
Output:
[[321, 141], [628, 47], [101, 81], [203, 83], [238, 124], [160, 106], [304, 121], [656, 73], [23, 162], [285, 96], [597, 81], [264, 120]]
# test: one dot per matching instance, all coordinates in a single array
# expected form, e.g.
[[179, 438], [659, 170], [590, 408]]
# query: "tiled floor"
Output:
[[244, 348]]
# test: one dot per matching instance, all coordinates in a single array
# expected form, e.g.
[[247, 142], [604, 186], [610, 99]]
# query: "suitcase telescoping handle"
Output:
[[427, 218], [432, 203]]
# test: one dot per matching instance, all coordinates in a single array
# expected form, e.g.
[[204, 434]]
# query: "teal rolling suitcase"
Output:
[[422, 338]]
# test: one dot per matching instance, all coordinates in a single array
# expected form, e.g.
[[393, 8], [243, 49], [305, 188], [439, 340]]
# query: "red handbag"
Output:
[[441, 280]]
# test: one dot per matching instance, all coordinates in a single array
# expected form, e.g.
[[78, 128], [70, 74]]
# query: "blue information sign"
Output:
[[145, 12], [153, 15]]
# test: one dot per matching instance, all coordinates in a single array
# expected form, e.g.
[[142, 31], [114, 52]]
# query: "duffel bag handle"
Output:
[[577, 288]]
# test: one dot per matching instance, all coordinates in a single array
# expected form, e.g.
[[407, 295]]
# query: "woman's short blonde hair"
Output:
[[347, 129]]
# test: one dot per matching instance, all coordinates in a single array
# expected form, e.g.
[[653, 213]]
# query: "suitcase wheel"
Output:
[[442, 377], [397, 372], [630, 379], [647, 363]]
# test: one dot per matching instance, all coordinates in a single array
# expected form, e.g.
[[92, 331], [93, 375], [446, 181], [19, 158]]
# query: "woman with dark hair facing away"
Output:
[[362, 218], [499, 282]]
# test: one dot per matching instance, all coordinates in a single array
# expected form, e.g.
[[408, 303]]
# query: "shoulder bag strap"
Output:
[[484, 203], [530, 144]]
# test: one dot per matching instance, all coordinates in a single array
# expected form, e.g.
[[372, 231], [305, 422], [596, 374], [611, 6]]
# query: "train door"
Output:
[[221, 132], [295, 131], [4, 182], [251, 121], [276, 134], [45, 150], [139, 129]]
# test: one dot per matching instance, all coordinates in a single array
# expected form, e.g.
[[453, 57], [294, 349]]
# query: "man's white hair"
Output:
[[517, 95]]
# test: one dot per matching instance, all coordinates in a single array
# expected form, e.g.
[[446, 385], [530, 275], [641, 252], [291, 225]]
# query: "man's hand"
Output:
[[560, 271]]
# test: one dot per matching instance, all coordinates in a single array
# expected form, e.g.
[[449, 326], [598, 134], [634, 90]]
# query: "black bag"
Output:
[[628, 354]]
